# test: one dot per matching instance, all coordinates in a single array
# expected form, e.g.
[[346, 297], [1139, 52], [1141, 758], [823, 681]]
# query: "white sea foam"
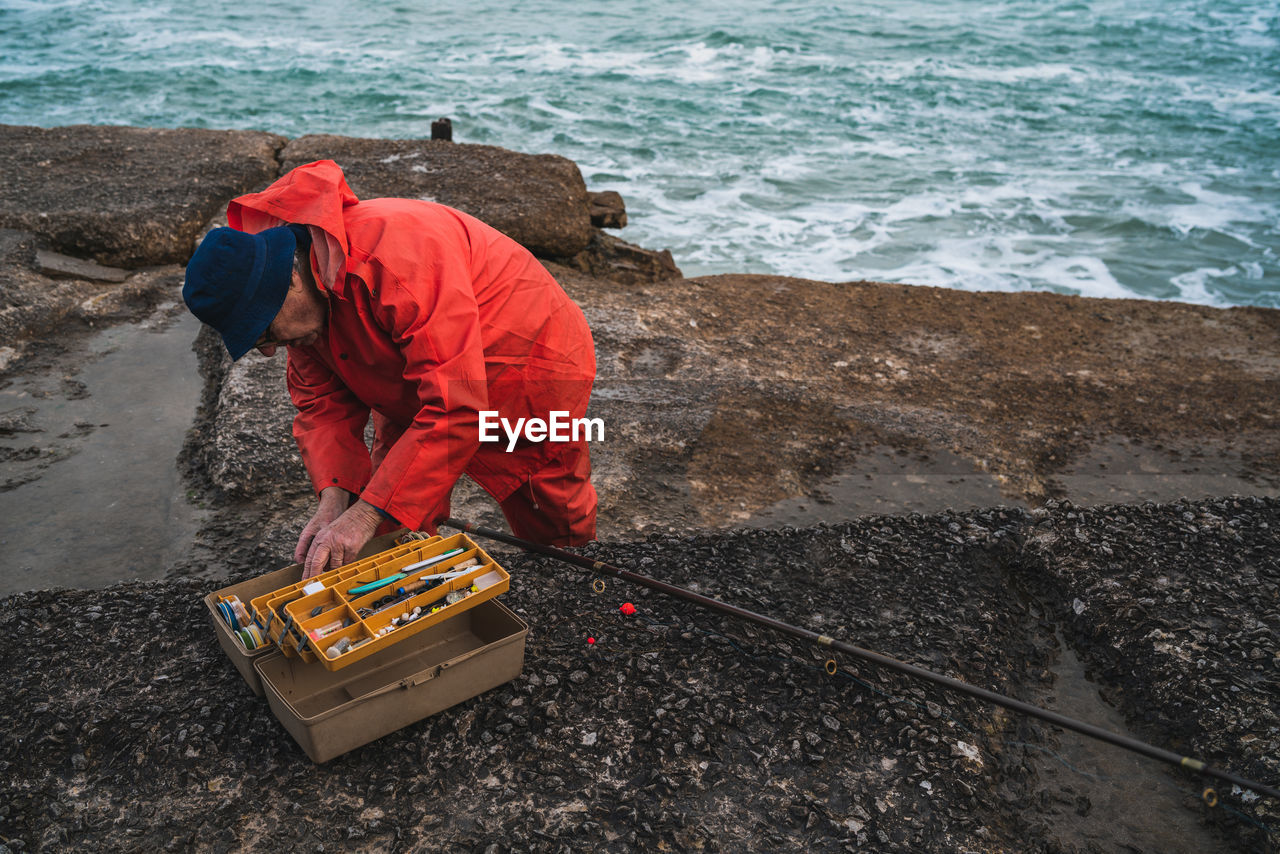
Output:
[[1193, 285], [928, 204], [559, 56], [1238, 103], [1211, 210], [246, 43], [690, 63], [1019, 74], [541, 105], [44, 6], [1008, 263], [1255, 40], [887, 148], [789, 167], [1255, 33]]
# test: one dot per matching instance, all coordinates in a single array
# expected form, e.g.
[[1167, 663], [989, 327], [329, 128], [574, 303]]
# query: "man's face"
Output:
[[300, 321]]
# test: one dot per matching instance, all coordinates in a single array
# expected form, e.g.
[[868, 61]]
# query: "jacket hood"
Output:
[[313, 195]]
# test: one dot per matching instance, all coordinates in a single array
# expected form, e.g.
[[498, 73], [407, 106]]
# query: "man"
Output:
[[424, 317]]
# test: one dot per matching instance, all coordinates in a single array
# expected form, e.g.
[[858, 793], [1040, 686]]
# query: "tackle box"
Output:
[[243, 657], [332, 704], [329, 714]]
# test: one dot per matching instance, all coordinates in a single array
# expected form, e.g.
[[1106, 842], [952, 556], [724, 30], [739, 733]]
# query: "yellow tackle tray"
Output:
[[286, 615]]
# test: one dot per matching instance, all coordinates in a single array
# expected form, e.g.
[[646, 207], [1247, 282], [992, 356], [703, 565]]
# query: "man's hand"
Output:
[[339, 541], [333, 503]]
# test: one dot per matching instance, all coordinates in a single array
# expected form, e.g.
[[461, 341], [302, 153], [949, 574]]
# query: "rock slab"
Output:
[[608, 210], [538, 200], [249, 449], [40, 290], [126, 197], [609, 257]]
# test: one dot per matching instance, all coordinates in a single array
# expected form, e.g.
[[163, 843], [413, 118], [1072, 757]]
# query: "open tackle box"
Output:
[[295, 642]]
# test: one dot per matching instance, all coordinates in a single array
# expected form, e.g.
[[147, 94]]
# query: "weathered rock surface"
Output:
[[725, 395], [127, 197], [32, 303], [1176, 609], [609, 257], [247, 447], [538, 200], [58, 266], [131, 197]]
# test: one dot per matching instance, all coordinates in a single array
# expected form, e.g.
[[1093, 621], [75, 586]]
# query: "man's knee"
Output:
[[557, 506]]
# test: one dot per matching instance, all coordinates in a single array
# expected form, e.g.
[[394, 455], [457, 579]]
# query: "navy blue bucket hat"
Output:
[[236, 282]]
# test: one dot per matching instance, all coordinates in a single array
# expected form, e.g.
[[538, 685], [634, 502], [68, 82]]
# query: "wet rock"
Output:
[[753, 417], [30, 303], [1170, 615], [123, 196], [250, 449], [538, 200], [609, 257], [716, 416], [747, 733], [17, 421], [57, 266], [608, 210]]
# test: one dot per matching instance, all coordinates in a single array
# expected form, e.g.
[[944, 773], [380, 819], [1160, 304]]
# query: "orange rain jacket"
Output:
[[433, 317]]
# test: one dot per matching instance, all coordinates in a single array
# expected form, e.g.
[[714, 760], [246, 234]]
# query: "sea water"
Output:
[[1102, 148]]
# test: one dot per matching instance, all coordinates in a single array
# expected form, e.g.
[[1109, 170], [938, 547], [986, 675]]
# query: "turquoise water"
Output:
[[1100, 148]]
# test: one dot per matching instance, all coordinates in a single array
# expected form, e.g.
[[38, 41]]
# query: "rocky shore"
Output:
[[677, 730], [1002, 487]]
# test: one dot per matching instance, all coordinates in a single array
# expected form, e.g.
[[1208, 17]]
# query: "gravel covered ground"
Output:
[[127, 729], [1176, 610]]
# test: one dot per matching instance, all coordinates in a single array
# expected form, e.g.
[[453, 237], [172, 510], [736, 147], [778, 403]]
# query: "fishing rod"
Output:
[[1125, 742]]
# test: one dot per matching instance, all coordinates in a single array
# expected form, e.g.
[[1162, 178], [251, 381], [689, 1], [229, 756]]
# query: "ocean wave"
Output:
[[1013, 74], [694, 62], [1007, 263], [1098, 150], [1207, 210], [1193, 285]]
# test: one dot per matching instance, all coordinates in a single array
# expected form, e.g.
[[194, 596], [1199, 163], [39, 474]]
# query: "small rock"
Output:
[[607, 209]]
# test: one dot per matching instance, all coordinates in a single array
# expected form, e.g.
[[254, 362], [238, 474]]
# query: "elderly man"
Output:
[[423, 317]]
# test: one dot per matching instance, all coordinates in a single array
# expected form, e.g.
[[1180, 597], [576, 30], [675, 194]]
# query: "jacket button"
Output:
[[342, 356]]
